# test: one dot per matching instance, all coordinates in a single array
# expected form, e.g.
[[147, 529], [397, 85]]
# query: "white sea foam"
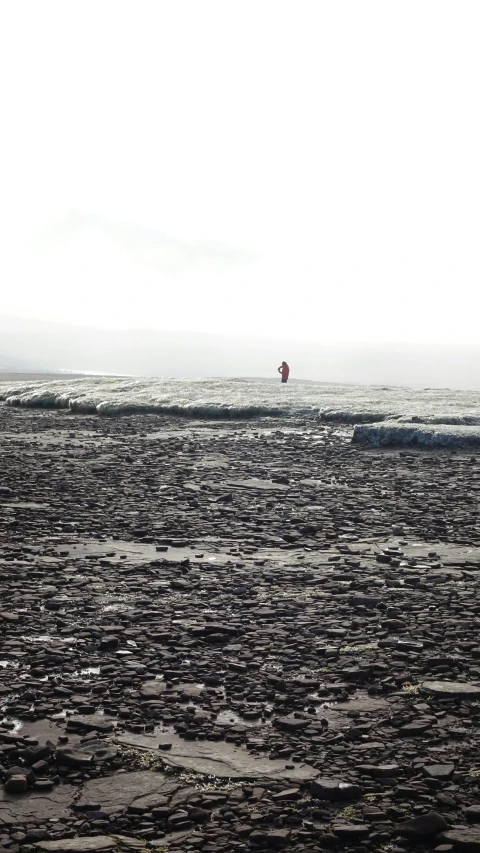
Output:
[[243, 398]]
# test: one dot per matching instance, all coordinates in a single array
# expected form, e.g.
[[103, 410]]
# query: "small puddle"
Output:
[[117, 550], [336, 713]]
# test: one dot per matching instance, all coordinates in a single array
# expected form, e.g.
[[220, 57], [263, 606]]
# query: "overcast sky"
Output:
[[306, 169]]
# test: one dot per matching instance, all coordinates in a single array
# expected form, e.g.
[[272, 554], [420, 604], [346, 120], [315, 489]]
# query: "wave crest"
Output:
[[417, 435], [220, 399]]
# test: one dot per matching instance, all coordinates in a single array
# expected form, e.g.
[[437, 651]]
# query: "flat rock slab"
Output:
[[451, 689], [122, 790], [173, 838], [439, 771], [152, 689], [254, 483], [92, 722], [224, 760], [463, 838], [78, 845], [37, 806], [364, 704]]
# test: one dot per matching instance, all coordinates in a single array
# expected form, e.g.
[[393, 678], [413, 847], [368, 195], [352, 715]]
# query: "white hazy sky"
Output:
[[300, 168]]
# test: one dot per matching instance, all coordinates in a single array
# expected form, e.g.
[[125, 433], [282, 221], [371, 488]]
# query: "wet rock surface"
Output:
[[235, 637]]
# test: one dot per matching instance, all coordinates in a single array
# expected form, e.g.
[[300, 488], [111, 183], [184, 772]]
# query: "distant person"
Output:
[[284, 370]]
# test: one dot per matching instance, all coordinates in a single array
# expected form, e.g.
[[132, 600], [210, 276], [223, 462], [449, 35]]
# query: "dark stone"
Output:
[[379, 771], [16, 784], [439, 771], [472, 813], [93, 722], [292, 724], [278, 838], [73, 757], [351, 832], [423, 826], [334, 790]]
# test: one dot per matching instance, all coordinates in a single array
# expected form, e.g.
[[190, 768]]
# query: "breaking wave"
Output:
[[418, 435], [219, 399]]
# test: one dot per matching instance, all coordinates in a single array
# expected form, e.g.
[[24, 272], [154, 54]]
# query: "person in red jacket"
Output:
[[284, 370]]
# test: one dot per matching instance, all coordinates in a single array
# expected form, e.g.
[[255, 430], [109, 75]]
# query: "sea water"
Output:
[[387, 415]]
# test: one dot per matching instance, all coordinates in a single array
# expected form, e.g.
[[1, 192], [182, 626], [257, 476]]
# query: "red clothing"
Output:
[[285, 370]]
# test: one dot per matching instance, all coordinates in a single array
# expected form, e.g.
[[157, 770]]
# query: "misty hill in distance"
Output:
[[34, 346], [16, 365]]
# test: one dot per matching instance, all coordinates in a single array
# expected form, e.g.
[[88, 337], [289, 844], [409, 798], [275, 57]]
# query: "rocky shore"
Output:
[[235, 637]]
